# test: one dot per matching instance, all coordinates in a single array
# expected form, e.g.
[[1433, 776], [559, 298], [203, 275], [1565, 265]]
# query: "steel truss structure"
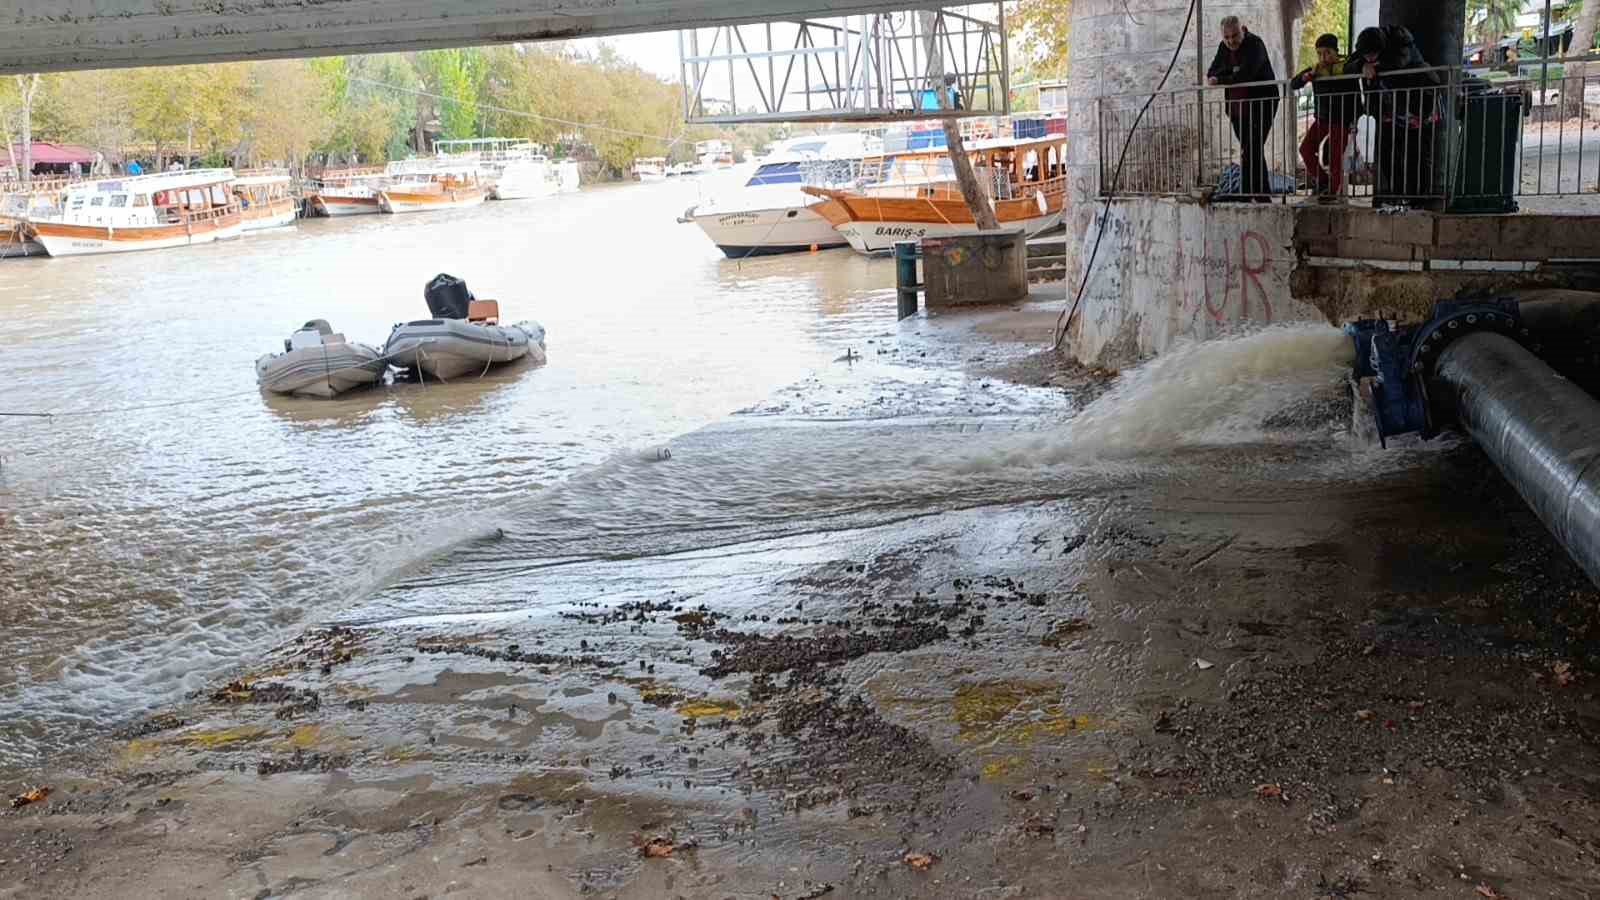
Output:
[[863, 68]]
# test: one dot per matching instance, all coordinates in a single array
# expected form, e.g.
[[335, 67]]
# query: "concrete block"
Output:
[[1577, 237], [984, 267], [1322, 246], [1312, 222], [1467, 231], [1354, 248], [1413, 228], [1525, 234], [1366, 225]]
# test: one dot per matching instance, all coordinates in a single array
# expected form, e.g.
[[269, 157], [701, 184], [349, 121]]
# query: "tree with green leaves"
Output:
[[1042, 30], [1494, 19], [1323, 17]]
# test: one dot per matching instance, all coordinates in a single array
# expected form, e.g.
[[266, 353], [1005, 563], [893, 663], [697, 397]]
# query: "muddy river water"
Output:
[[143, 550], [750, 591]]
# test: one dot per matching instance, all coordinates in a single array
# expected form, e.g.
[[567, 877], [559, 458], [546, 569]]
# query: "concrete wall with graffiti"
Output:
[[1167, 271]]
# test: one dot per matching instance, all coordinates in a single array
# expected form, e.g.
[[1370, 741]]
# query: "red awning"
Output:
[[48, 154]]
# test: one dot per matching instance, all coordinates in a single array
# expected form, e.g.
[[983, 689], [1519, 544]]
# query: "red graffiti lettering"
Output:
[[1253, 274], [1242, 275]]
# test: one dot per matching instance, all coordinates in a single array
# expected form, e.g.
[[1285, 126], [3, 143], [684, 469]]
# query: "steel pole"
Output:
[[1199, 93], [1541, 430]]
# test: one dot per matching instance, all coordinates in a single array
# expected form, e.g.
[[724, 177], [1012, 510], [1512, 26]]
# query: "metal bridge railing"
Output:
[[1436, 137]]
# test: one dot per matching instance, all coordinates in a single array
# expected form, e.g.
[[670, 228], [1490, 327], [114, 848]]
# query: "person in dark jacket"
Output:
[[1336, 106], [1406, 104], [1242, 60]]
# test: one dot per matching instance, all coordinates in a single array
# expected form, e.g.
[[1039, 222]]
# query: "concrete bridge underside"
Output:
[[53, 35]]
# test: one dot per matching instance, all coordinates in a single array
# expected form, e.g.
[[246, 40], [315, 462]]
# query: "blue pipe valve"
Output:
[[1400, 361]]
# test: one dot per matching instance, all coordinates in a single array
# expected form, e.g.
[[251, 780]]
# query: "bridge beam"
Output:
[[55, 35]]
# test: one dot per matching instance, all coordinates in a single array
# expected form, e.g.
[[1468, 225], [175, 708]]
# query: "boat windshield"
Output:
[[776, 173]]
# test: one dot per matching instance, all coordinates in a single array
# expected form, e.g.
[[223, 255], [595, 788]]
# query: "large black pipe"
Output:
[[1541, 430]]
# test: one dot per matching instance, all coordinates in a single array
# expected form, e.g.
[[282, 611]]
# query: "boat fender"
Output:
[[1038, 197]]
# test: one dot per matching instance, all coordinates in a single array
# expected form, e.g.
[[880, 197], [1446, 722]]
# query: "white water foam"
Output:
[[1198, 393]]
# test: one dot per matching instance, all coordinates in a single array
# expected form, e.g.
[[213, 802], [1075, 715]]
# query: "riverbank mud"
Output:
[[1279, 668]]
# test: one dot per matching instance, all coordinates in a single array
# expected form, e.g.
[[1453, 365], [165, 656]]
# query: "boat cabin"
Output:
[[168, 198], [261, 190]]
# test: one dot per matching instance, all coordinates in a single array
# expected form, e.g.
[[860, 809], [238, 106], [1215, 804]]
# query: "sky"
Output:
[[656, 52]]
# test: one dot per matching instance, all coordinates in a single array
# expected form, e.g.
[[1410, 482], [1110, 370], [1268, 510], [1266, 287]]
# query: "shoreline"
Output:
[[1234, 676]]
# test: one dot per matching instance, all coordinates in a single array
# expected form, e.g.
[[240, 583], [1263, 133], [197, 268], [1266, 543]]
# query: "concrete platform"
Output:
[[1171, 269]]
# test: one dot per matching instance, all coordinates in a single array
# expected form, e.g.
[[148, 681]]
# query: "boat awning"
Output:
[[48, 154]]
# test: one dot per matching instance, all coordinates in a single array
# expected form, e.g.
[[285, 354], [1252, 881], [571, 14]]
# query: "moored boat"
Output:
[[650, 168], [346, 192], [917, 197], [770, 214], [317, 362], [508, 168], [264, 200], [464, 336], [451, 190], [142, 212]]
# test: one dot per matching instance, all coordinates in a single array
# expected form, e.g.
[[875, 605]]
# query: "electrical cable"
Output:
[[1105, 216], [671, 141]]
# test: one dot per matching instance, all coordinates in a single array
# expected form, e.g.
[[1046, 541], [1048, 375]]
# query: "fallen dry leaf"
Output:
[[1485, 891], [1365, 715], [32, 795], [920, 860], [655, 848], [1563, 674], [1203, 664], [1269, 791]]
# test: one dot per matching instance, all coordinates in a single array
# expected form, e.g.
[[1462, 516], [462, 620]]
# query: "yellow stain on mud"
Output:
[[999, 769], [221, 737], [303, 738], [709, 709], [1016, 712]]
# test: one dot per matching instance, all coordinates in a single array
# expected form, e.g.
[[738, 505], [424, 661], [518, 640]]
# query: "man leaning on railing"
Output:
[[1242, 60], [1406, 104]]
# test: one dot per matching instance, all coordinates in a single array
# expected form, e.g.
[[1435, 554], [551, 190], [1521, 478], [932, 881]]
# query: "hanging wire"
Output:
[[1064, 321], [671, 141]]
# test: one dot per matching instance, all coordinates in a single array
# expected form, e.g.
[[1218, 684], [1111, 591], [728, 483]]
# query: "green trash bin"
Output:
[[1490, 136]]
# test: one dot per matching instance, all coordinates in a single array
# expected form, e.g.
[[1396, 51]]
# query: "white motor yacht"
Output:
[[769, 213]]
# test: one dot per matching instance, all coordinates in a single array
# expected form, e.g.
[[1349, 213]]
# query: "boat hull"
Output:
[[875, 238], [80, 240], [446, 349], [346, 206], [766, 232], [322, 371], [276, 214], [396, 202]]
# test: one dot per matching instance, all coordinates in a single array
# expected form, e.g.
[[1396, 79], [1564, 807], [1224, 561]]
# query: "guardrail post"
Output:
[[907, 287]]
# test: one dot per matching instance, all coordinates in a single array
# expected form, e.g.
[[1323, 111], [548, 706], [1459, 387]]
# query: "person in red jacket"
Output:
[[1336, 106], [1242, 63]]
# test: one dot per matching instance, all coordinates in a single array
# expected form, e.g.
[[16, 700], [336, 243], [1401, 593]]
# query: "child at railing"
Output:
[[1335, 109]]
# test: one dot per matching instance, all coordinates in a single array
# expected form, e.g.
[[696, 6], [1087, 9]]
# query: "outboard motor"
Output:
[[447, 297]]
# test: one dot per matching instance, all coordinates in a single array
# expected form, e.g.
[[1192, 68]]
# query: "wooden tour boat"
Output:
[[143, 212], [264, 200], [452, 190], [916, 196]]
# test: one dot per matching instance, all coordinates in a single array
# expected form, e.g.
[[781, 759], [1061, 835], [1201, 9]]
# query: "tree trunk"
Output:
[[966, 179], [28, 85], [188, 144], [1582, 40]]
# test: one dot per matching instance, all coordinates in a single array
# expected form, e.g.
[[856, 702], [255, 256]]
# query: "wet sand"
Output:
[[1230, 677]]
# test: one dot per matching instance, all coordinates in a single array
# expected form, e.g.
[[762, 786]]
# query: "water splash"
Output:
[[1198, 393]]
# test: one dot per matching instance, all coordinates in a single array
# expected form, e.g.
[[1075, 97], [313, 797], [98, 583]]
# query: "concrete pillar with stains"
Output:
[[1122, 48]]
